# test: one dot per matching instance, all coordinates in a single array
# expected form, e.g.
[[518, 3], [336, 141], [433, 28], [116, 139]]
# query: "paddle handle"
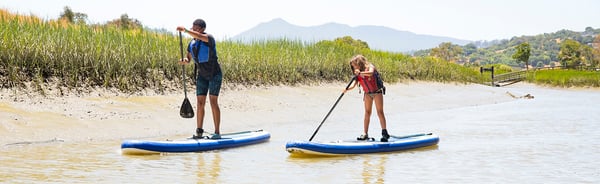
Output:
[[330, 110]]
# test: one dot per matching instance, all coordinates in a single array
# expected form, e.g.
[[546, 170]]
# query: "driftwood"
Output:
[[527, 96]]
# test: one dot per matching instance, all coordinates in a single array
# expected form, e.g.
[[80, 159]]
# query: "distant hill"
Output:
[[545, 48], [378, 37]]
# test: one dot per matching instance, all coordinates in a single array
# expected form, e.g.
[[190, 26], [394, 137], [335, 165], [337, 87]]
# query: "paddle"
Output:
[[336, 102], [408, 136], [186, 110]]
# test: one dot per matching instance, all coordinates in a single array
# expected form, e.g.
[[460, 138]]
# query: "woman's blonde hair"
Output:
[[360, 61]]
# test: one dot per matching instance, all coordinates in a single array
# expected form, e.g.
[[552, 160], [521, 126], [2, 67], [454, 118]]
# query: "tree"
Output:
[[447, 51], [67, 14], [124, 22], [587, 55], [348, 40], [589, 30], [570, 53], [595, 61], [540, 64], [73, 17], [522, 53], [470, 49]]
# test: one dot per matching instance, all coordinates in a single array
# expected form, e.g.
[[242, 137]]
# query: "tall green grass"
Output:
[[291, 62], [565, 78], [82, 56], [436, 69]]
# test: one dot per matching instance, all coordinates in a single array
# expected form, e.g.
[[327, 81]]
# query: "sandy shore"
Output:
[[103, 115]]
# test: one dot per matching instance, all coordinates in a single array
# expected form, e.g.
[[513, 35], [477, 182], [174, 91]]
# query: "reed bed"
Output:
[[292, 62], [82, 56], [436, 69]]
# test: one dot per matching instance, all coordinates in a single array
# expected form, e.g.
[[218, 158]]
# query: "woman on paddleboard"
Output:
[[370, 80], [208, 73]]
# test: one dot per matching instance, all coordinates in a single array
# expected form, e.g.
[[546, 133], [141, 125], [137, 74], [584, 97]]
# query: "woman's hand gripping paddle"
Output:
[[336, 102], [186, 111]]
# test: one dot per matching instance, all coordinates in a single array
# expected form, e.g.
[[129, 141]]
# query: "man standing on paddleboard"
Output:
[[202, 48]]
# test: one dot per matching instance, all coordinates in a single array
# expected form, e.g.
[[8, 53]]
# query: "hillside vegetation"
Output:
[[545, 50]]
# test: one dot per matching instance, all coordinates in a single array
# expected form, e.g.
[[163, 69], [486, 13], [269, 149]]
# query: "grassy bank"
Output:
[[565, 78], [80, 56]]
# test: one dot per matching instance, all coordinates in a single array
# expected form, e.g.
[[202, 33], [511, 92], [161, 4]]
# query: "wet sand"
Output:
[[104, 115]]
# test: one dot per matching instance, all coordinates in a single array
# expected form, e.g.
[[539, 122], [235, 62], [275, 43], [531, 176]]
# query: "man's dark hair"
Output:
[[200, 22]]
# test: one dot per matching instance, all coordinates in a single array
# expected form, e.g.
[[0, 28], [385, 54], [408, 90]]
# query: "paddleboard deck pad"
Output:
[[394, 143], [228, 140]]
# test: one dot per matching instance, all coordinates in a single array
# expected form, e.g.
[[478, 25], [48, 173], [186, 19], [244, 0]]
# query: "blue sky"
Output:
[[463, 19]]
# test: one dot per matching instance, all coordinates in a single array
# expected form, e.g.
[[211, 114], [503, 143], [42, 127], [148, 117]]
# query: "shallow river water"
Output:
[[553, 138]]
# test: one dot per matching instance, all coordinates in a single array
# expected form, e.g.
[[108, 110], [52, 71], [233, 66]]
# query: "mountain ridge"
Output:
[[378, 37]]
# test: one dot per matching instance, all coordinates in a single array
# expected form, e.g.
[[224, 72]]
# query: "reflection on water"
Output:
[[550, 139], [209, 168], [374, 169], [370, 168]]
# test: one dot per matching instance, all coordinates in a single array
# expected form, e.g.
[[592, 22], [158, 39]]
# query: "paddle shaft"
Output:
[[182, 66], [408, 136], [330, 110]]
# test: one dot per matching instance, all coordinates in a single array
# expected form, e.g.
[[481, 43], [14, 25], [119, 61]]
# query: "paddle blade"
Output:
[[186, 110]]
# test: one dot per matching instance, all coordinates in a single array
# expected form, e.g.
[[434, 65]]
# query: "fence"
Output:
[[505, 78]]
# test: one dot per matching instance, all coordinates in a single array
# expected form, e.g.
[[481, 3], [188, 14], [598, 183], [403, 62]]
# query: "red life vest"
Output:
[[369, 83]]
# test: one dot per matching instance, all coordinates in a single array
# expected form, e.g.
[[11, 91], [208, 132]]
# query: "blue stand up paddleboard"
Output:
[[395, 143], [229, 140]]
